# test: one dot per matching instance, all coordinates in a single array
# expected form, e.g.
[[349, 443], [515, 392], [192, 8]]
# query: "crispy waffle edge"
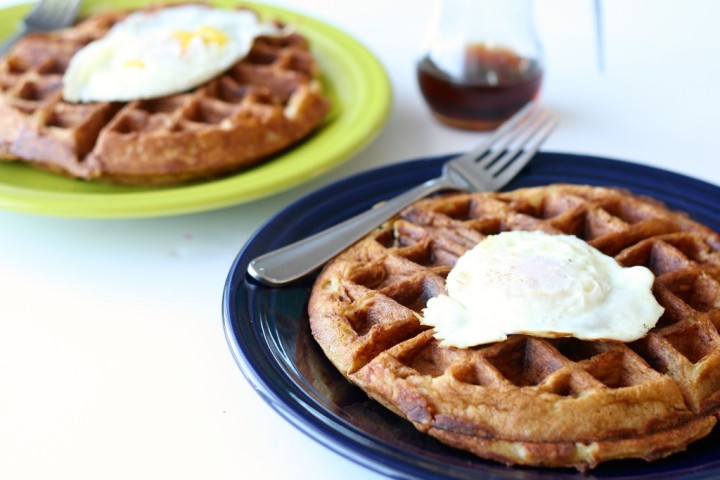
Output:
[[531, 401]]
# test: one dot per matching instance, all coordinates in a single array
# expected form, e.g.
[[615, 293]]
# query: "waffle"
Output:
[[558, 402], [263, 104]]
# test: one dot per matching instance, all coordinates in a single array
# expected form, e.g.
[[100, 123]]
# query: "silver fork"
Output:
[[45, 16], [488, 167]]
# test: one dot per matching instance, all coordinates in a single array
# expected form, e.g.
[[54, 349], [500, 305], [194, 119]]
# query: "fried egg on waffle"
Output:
[[551, 402], [262, 104]]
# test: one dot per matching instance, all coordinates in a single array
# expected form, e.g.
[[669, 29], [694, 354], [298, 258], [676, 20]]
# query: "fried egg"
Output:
[[544, 285], [153, 54]]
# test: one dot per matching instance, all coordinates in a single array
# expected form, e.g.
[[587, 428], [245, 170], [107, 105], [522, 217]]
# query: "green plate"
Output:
[[353, 78]]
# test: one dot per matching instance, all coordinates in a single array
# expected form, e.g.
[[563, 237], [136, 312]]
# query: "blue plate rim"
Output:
[[341, 438]]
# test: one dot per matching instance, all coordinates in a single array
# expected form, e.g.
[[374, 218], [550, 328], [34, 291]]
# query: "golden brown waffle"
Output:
[[526, 400], [266, 102]]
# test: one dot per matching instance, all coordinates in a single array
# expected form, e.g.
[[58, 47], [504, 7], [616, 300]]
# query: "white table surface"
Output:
[[113, 360]]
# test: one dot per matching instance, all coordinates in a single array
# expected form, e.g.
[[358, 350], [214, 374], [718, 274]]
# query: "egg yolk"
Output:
[[134, 63], [208, 35]]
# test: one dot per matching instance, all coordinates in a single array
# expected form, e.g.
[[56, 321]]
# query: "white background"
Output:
[[113, 361]]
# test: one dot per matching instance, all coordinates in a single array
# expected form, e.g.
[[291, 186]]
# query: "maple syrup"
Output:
[[494, 84]]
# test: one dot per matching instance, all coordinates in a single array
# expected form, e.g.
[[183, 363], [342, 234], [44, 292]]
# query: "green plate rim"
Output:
[[357, 84]]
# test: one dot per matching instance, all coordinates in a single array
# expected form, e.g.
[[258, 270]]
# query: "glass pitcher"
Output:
[[482, 61]]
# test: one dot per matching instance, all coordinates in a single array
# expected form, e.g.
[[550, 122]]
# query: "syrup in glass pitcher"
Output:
[[482, 63]]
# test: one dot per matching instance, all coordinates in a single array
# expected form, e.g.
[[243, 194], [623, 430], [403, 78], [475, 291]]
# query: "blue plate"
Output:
[[268, 332]]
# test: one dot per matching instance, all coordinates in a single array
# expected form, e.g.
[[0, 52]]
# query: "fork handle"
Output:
[[7, 44], [293, 261]]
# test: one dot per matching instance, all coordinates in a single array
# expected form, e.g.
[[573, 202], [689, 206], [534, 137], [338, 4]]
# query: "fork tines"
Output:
[[516, 141]]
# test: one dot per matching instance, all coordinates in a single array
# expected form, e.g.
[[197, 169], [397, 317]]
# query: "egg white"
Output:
[[153, 54], [544, 285]]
